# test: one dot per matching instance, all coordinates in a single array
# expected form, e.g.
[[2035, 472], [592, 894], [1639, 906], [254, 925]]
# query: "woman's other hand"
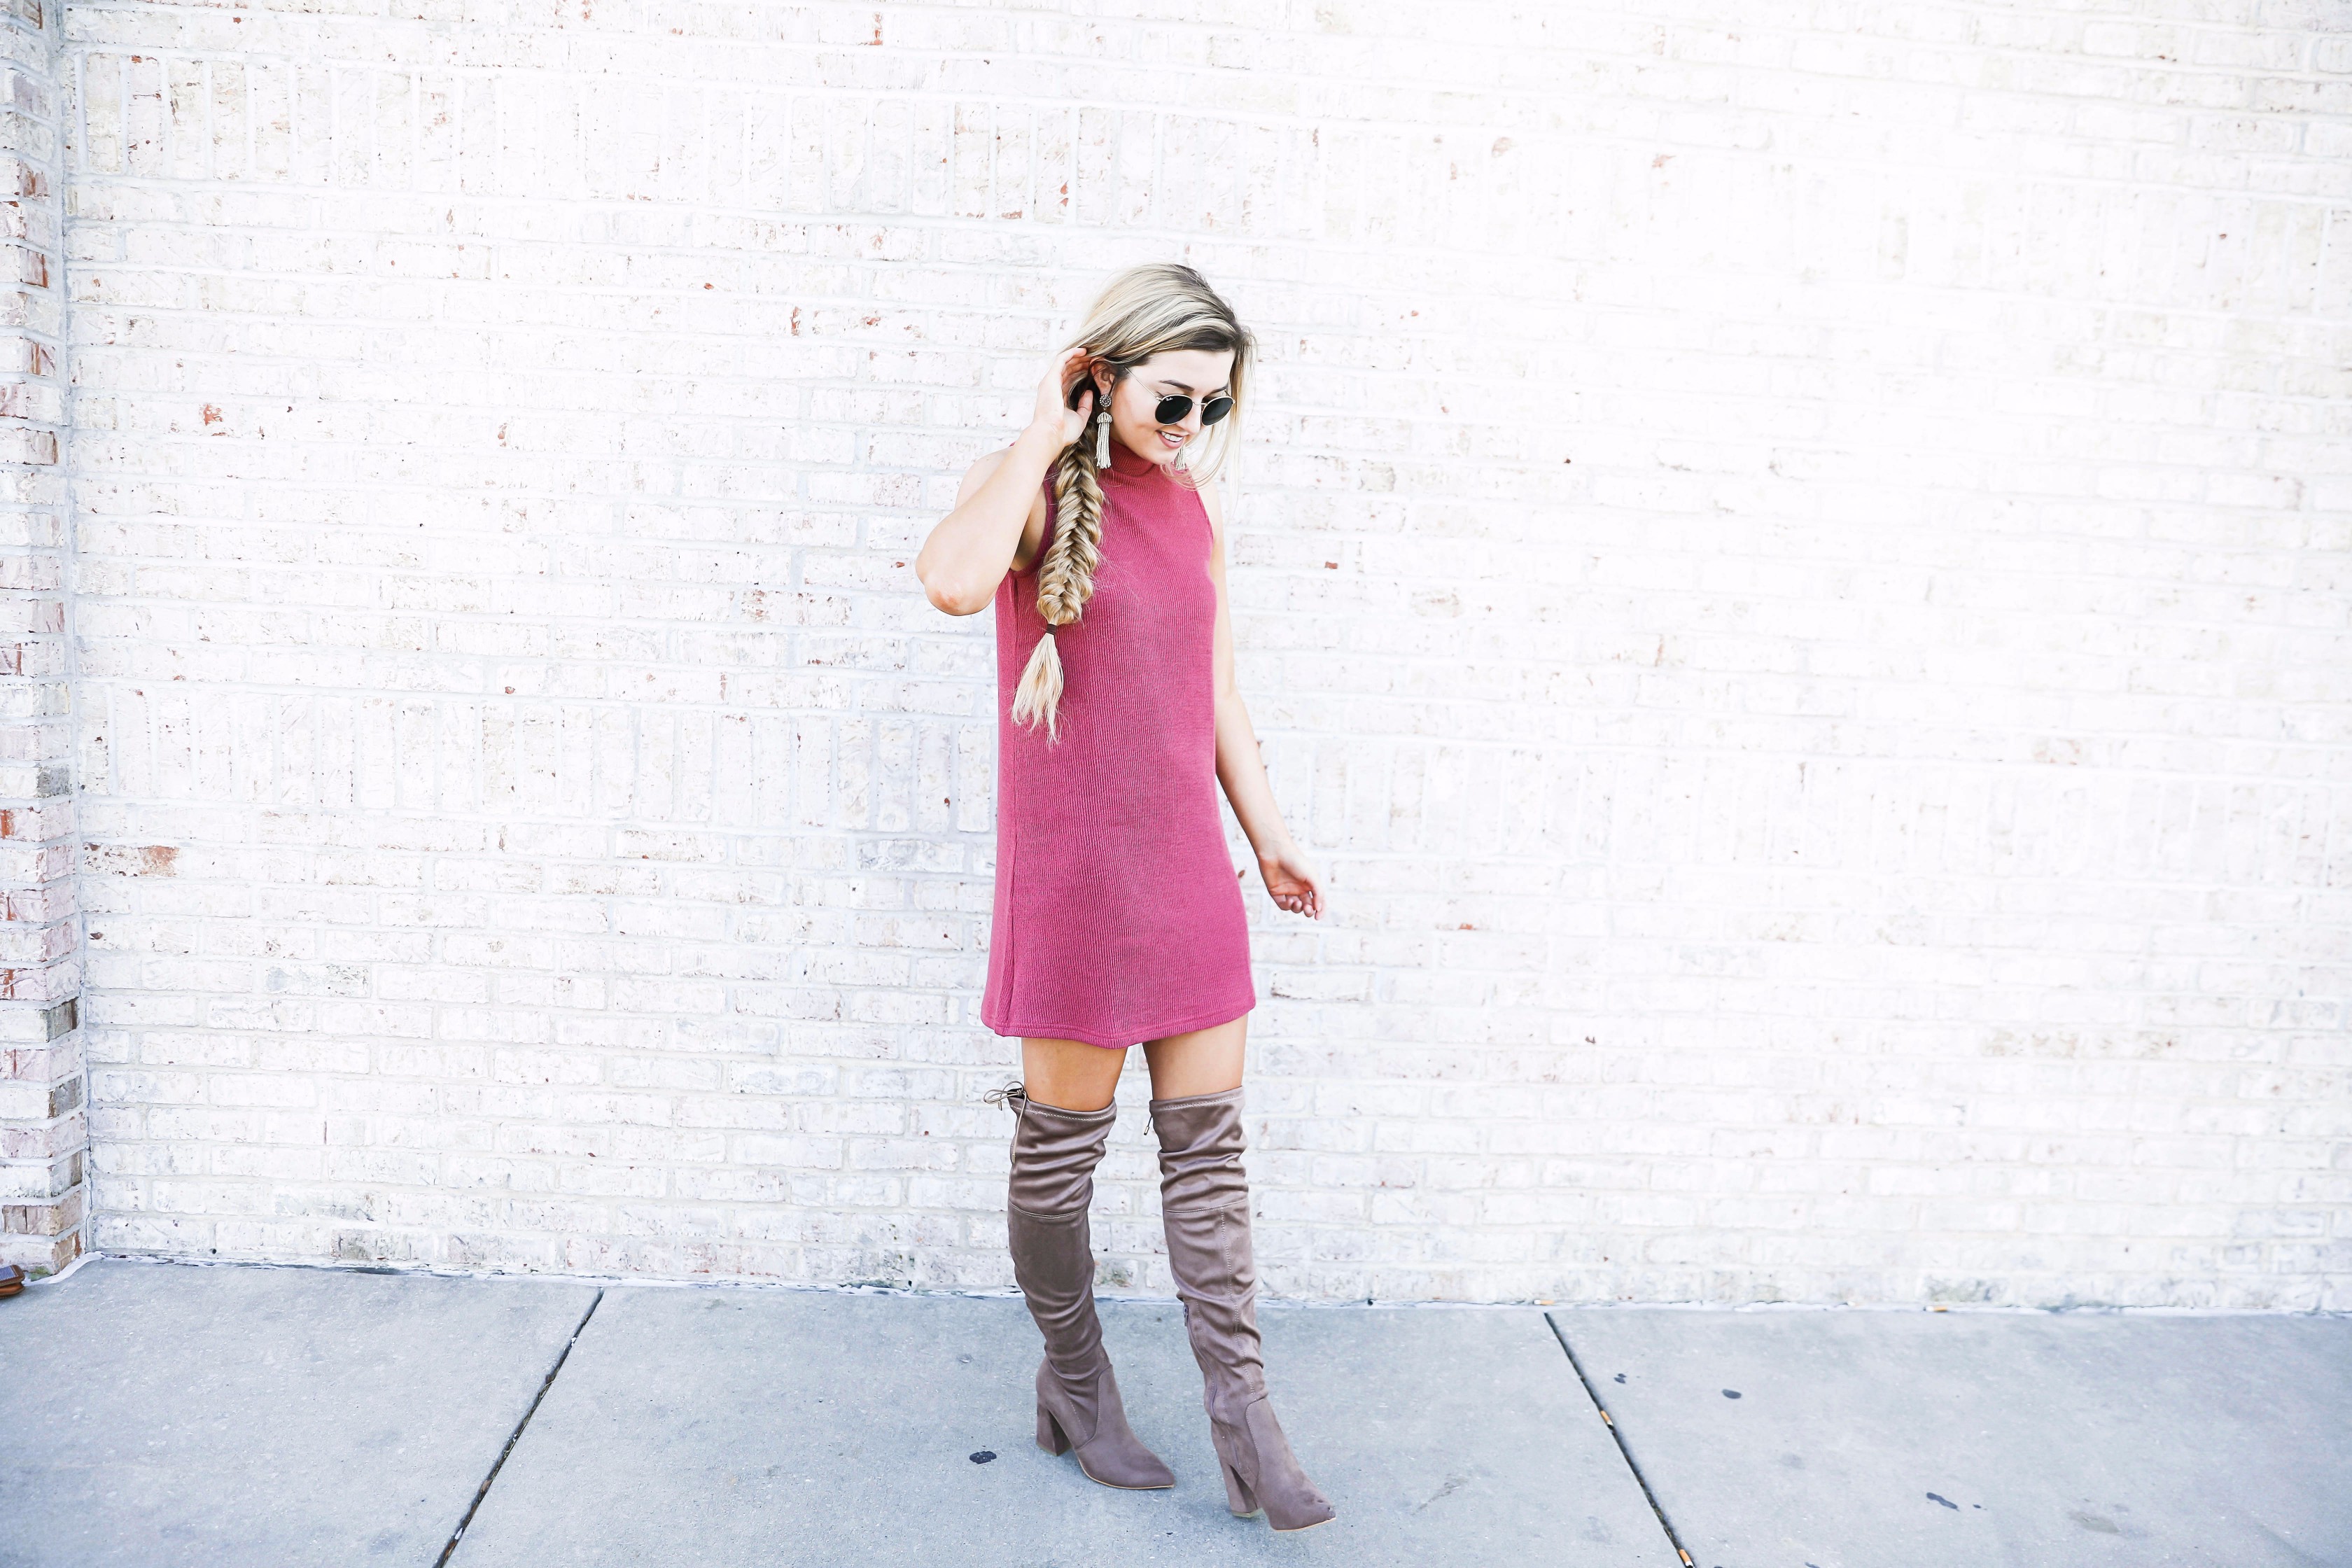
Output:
[[1053, 413], [1291, 882]]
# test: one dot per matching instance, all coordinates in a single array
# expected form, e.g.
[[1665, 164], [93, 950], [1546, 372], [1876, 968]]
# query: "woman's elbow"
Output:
[[955, 599], [952, 585]]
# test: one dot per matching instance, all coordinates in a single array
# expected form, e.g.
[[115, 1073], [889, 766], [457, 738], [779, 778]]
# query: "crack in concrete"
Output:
[[1622, 1452], [516, 1436]]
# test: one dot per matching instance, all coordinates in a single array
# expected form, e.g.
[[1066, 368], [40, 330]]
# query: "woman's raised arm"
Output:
[[975, 545]]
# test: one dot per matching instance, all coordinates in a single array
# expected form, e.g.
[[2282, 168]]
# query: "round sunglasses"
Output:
[[1175, 406]]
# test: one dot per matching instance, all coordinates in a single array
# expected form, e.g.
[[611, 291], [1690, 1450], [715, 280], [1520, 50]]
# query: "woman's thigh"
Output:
[[1202, 1061], [1070, 1074]]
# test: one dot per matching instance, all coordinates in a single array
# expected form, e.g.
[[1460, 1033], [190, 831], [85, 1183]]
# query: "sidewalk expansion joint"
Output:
[[516, 1436], [1622, 1452]]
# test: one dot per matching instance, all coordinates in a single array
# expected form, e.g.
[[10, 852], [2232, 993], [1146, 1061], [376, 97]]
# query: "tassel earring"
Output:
[[1102, 440]]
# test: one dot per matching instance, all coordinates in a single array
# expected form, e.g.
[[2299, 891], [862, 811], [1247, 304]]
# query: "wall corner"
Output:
[[44, 1122]]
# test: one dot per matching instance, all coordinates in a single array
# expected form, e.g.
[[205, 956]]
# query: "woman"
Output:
[[1117, 917]]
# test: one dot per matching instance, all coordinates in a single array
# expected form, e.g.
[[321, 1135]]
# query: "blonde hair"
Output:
[[1145, 310]]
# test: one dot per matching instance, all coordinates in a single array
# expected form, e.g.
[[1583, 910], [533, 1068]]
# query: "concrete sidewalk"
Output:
[[249, 1415]]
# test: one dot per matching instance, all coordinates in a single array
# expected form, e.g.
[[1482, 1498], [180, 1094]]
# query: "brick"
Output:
[[1824, 729]]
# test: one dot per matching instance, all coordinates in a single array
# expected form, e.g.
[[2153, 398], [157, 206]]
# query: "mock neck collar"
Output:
[[1128, 464]]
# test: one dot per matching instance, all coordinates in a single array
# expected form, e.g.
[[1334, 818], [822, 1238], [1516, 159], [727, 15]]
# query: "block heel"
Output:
[[1239, 1500], [1049, 1434]]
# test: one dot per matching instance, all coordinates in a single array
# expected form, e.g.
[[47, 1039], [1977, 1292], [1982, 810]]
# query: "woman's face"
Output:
[[1197, 374]]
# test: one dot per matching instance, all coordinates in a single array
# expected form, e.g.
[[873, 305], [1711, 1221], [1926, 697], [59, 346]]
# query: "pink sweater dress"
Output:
[[1119, 913]]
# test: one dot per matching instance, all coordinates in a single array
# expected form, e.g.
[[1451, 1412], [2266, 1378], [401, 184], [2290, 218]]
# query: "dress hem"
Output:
[[1208, 1020]]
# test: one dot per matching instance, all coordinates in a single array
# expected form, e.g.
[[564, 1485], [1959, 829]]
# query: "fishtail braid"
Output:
[[1065, 580]]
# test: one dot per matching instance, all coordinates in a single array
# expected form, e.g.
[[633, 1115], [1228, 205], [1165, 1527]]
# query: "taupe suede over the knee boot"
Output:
[[1053, 1156], [1204, 1201]]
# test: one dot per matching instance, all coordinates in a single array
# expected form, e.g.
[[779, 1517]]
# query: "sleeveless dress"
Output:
[[1119, 913]]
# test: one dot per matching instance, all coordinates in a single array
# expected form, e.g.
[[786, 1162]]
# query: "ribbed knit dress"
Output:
[[1119, 912]]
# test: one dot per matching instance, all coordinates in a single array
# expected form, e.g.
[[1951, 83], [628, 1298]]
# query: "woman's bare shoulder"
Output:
[[1024, 550], [983, 468], [1213, 503], [987, 463]]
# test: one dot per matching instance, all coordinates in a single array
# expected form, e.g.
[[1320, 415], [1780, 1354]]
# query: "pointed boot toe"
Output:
[[1291, 1501], [1093, 1420], [1262, 1474]]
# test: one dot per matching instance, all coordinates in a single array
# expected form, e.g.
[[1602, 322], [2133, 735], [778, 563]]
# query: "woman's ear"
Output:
[[1101, 371]]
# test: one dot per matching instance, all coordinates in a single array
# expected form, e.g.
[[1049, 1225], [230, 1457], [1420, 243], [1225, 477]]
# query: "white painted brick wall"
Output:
[[44, 1075], [1795, 564]]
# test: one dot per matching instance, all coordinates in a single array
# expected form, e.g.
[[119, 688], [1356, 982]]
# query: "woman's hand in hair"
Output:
[[1292, 882], [1067, 423]]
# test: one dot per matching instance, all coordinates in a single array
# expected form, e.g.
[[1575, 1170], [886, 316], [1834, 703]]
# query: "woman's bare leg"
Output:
[[1077, 1076], [1204, 1061], [1071, 1074]]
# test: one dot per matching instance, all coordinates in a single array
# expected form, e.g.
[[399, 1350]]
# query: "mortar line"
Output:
[[1622, 1452], [516, 1436]]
